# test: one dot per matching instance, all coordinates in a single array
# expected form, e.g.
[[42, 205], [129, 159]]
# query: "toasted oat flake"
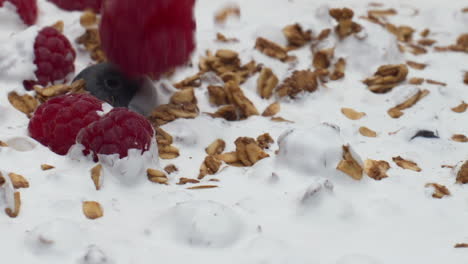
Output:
[[238, 98], [396, 112], [367, 132], [164, 114], [18, 181], [324, 34], [59, 25], [352, 114], [425, 33], [281, 119], [183, 181], [198, 187], [460, 138], [403, 33], [222, 38], [96, 176], [157, 176], [439, 190], [339, 71], [44, 94], [210, 166], [427, 42], [465, 78], [15, 211], [406, 164], [2, 179], [266, 83], [435, 82], [299, 81], [296, 36], [322, 58], [345, 26], [462, 175], [461, 245], [386, 78], [416, 81], [228, 11], [3, 144], [171, 168], [271, 49], [248, 151], [92, 43], [381, 12], [265, 140], [191, 81], [228, 112], [416, 65], [92, 210], [45, 167], [229, 157], [460, 108], [217, 147], [376, 169], [88, 19], [24, 103], [349, 165]]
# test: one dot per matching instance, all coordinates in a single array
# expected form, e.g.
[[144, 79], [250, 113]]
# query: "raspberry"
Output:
[[54, 57], [27, 10], [57, 121], [116, 133], [151, 37], [78, 5]]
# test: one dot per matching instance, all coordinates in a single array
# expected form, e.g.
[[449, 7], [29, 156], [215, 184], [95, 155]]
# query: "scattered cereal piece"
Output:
[[465, 78], [183, 181], [280, 119], [92, 210], [248, 151], [168, 152], [15, 211], [461, 245], [228, 112], [272, 109], [189, 82], [92, 43], [425, 33], [265, 140], [396, 112], [88, 19], [403, 33], [237, 96], [271, 49], [339, 71], [2, 179], [462, 175], [349, 165], [229, 157], [345, 26], [266, 83], [406, 164], [96, 176], [45, 167], [460, 138], [386, 78], [427, 42], [352, 114], [299, 81], [367, 132], [416, 81], [3, 144], [157, 176], [18, 181], [166, 113], [296, 36], [202, 187], [228, 11], [222, 38], [460, 108], [435, 82], [416, 65], [215, 148], [324, 34], [44, 94], [210, 166], [59, 25], [439, 190], [376, 169], [24, 103]]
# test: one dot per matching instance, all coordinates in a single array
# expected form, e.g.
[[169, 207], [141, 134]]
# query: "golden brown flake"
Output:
[[416, 49], [462, 175], [271, 49], [299, 81], [406, 164], [59, 25], [210, 166], [427, 42], [168, 152], [322, 58], [386, 78], [2, 179], [237, 97], [229, 157], [18, 181], [349, 165], [272, 109], [227, 112], [324, 34], [296, 36], [352, 114], [265, 140], [44, 94], [92, 210], [162, 137], [381, 12], [217, 95], [416, 65], [88, 19], [396, 112], [15, 211], [460, 138], [166, 113], [223, 14], [461, 245], [157, 176], [248, 151], [425, 33], [345, 26], [170, 168], [92, 43], [96, 176], [45, 167], [460, 108], [435, 82], [339, 71], [222, 38], [199, 187], [403, 33], [439, 190], [266, 83], [416, 81], [184, 96], [376, 169], [183, 181], [191, 81], [3, 144], [465, 78], [217, 147], [280, 119], [367, 132], [24, 103]]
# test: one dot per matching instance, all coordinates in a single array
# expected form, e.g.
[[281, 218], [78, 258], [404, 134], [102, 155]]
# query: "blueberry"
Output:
[[425, 134], [107, 83]]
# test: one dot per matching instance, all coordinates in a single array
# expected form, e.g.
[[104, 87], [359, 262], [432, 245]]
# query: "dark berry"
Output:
[[56, 122], [27, 10], [115, 133], [148, 38], [107, 83]]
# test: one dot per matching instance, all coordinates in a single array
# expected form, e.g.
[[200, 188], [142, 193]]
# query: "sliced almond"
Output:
[[18, 181], [15, 211], [349, 165], [376, 169], [96, 176], [352, 114], [45, 167], [462, 175], [396, 112], [157, 176], [367, 132], [24, 103], [92, 210], [439, 190], [460, 138], [416, 65], [272, 109], [198, 187], [266, 83], [217, 147], [460, 108], [406, 164]]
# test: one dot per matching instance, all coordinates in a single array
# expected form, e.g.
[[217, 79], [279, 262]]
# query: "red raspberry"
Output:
[[116, 133], [54, 58], [151, 37], [27, 10], [57, 121], [80, 5]]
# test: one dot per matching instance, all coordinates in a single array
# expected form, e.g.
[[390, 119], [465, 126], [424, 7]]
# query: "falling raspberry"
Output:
[[78, 5], [54, 58], [56, 122], [151, 37], [27, 10], [116, 133]]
